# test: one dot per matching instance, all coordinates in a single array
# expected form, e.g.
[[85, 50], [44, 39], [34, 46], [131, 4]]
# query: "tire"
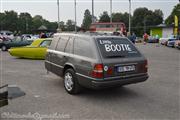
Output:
[[3, 48], [71, 84]]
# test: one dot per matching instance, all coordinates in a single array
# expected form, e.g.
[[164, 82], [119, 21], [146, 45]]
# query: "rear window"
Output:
[[117, 47]]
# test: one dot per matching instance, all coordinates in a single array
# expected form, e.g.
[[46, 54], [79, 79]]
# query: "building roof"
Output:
[[42, 27], [106, 23], [163, 25]]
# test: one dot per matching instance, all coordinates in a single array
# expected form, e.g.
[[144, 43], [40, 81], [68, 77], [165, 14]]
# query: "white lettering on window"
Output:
[[117, 47]]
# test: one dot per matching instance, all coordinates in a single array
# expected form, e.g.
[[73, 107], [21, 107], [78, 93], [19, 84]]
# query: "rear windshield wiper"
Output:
[[116, 56]]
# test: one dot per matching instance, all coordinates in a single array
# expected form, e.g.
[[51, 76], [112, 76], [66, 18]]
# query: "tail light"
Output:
[[97, 72], [145, 66]]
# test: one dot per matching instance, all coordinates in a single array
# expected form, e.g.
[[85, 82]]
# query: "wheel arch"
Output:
[[68, 66]]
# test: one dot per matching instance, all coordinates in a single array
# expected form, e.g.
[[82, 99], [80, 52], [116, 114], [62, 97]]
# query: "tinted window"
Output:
[[82, 47], [117, 47], [62, 43], [69, 47], [54, 42]]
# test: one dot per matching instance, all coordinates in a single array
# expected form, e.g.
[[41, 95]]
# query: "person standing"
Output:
[[134, 38], [145, 37]]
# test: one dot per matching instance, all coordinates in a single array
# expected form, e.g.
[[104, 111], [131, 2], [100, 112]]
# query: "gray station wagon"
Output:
[[95, 61]]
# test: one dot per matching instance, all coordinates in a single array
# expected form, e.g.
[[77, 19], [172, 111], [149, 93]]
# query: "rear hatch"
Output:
[[120, 57]]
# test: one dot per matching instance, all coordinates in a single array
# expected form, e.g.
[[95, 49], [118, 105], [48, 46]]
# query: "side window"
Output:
[[82, 47], [54, 42], [62, 43], [45, 43], [69, 47]]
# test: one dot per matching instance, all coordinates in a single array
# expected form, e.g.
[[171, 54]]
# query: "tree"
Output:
[[143, 19], [10, 20], [175, 11], [2, 21], [25, 24], [87, 19], [37, 21], [121, 17], [158, 17], [70, 25], [104, 17]]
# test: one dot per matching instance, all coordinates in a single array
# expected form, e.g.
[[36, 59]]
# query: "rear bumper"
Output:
[[112, 81], [170, 45], [119, 82]]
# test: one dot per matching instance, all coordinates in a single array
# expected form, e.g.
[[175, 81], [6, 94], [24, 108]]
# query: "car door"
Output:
[[16, 42], [39, 51], [59, 57], [50, 53]]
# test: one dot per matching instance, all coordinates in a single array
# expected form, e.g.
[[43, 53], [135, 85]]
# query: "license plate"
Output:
[[126, 68]]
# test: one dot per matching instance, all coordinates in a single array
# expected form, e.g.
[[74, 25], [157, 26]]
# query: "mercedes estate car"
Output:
[[95, 61]]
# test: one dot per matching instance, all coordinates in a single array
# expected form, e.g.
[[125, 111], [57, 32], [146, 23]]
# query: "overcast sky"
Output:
[[48, 8]]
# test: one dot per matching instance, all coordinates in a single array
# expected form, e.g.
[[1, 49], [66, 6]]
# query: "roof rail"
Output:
[[96, 33]]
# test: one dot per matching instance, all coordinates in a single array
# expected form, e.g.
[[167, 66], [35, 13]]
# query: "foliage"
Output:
[[175, 11], [121, 17], [9, 20], [104, 17], [87, 20], [70, 25], [24, 22], [143, 19]]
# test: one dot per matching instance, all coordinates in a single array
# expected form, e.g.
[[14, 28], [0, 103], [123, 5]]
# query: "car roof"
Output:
[[90, 35], [5, 31]]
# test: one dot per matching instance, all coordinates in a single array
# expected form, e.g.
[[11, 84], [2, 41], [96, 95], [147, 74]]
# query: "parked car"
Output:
[[177, 44], [138, 40], [153, 40], [171, 42], [95, 61], [29, 37], [36, 50], [16, 42], [7, 34], [1, 40], [164, 41]]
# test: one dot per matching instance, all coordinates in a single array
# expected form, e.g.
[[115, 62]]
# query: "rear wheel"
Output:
[[3, 48], [71, 84]]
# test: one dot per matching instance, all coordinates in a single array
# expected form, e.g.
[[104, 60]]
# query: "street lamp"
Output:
[[129, 16], [59, 29], [75, 16], [111, 11], [92, 17]]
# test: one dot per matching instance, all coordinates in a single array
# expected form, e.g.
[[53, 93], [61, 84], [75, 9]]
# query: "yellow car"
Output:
[[37, 50]]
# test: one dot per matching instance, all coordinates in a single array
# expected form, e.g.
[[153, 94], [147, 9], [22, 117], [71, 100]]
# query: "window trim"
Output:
[[72, 50]]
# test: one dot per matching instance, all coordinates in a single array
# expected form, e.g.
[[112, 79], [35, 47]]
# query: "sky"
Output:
[[48, 8]]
